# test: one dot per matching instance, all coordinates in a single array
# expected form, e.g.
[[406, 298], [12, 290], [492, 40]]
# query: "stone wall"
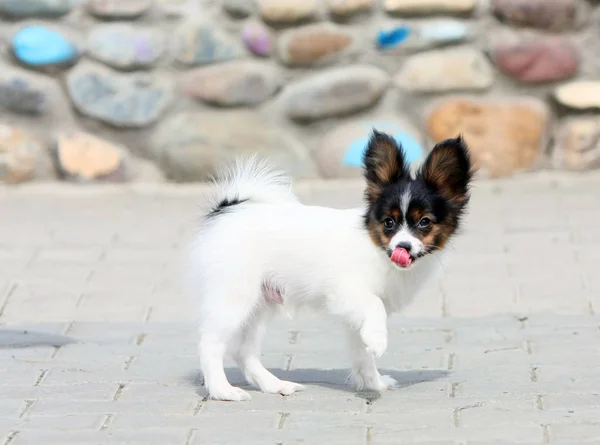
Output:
[[117, 90]]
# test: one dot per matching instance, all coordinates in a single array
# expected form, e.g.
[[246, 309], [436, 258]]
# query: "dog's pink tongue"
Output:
[[401, 257]]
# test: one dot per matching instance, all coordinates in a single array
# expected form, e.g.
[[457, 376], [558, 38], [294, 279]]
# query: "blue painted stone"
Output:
[[393, 37], [38, 46], [423, 36], [445, 31]]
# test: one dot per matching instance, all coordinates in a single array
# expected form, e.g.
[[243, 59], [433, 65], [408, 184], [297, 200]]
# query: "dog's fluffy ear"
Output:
[[384, 164], [448, 170]]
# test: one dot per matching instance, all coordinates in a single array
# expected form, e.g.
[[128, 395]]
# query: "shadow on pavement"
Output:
[[22, 338], [328, 378]]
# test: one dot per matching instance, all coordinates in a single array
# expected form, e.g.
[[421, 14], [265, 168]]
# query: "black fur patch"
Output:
[[224, 206]]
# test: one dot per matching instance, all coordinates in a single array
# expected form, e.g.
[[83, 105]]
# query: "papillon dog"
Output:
[[259, 251]]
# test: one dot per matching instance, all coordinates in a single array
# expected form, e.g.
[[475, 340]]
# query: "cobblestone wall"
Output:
[[118, 90]]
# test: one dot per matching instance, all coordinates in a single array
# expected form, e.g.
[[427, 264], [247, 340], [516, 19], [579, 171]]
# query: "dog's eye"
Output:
[[424, 223], [388, 223]]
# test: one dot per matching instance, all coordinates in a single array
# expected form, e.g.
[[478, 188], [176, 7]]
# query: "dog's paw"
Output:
[[287, 388], [281, 387], [386, 382], [375, 341], [231, 394]]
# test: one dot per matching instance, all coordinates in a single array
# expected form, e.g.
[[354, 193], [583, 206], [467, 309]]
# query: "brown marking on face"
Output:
[[395, 213], [377, 231], [416, 213], [435, 238]]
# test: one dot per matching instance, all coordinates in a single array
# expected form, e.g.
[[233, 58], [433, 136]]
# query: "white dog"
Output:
[[259, 250]]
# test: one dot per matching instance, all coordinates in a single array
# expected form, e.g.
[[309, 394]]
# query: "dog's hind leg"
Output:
[[247, 355], [218, 328]]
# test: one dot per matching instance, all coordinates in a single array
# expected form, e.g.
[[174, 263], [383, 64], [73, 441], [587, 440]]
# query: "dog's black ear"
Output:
[[384, 164], [449, 171]]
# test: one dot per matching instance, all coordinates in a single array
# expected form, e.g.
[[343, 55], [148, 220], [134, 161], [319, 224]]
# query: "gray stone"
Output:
[[21, 93], [446, 70], [35, 8], [145, 171], [118, 9], [125, 46], [19, 155], [577, 144], [239, 8], [191, 146], [335, 92], [199, 42], [233, 83], [133, 100], [314, 44]]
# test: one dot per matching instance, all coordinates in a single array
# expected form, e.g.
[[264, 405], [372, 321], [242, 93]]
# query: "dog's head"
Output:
[[410, 217]]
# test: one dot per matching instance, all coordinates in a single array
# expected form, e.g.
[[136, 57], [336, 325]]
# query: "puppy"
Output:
[[259, 250]]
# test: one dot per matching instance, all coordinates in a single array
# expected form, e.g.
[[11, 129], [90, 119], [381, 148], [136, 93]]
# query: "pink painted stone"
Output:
[[538, 61], [257, 39]]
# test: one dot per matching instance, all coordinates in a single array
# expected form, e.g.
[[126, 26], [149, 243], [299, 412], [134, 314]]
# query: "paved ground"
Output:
[[97, 344]]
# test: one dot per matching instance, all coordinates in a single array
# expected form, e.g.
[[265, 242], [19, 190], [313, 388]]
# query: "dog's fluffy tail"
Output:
[[250, 180]]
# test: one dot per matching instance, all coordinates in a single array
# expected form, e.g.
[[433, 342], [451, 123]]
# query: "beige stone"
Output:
[[429, 6], [19, 155], [504, 136], [312, 44], [348, 7], [233, 83], [581, 95], [446, 70], [122, 9], [287, 11], [578, 144]]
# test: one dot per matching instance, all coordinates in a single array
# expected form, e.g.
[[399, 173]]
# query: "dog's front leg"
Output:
[[367, 333], [366, 313]]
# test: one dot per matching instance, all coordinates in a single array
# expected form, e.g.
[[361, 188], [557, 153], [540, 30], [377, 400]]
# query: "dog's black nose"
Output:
[[405, 246]]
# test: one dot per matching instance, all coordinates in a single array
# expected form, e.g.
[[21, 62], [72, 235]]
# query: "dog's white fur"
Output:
[[315, 257]]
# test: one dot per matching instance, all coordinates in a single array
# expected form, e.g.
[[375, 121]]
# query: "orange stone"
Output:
[[87, 157], [504, 136]]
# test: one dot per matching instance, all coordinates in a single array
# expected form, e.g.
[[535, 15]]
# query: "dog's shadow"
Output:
[[25, 338], [328, 378]]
